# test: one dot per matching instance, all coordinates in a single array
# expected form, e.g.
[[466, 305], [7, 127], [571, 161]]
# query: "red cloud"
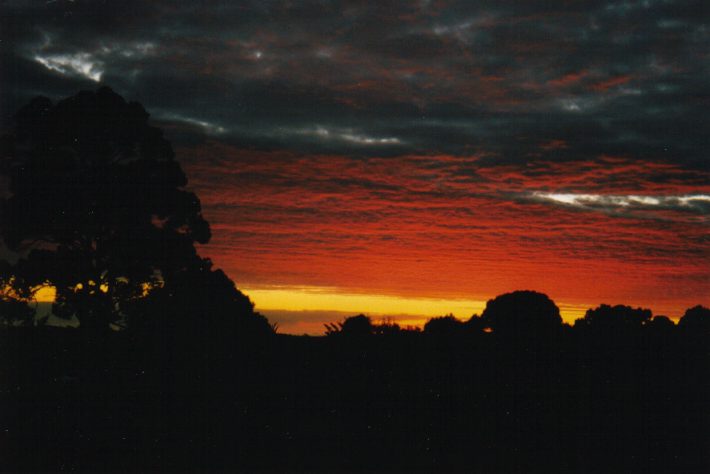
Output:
[[568, 79], [443, 226], [610, 83]]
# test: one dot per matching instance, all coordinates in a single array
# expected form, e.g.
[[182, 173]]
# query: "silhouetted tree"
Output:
[[661, 323], [696, 320], [357, 326], [386, 327], [98, 206], [614, 319], [522, 314], [198, 300], [447, 325]]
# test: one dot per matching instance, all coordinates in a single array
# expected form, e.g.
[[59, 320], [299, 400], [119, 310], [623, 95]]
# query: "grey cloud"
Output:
[[626, 205], [390, 79]]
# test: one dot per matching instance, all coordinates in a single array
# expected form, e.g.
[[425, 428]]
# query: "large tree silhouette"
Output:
[[98, 207]]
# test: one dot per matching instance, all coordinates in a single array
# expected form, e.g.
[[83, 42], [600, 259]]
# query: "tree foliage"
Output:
[[619, 318], [98, 208], [447, 325], [522, 314], [696, 320], [353, 326]]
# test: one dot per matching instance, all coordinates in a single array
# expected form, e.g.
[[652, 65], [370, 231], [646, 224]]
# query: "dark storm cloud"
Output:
[[618, 77]]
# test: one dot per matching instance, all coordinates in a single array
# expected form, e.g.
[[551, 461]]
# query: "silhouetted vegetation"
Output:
[[98, 210], [522, 314], [696, 320], [354, 326], [444, 326], [614, 319], [387, 327], [191, 378]]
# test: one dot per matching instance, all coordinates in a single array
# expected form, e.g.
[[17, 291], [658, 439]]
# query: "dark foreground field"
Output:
[[412, 401]]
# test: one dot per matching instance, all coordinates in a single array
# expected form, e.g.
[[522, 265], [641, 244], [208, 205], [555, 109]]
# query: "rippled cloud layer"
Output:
[[429, 148]]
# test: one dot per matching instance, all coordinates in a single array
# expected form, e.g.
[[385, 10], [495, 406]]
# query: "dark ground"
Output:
[[406, 402]]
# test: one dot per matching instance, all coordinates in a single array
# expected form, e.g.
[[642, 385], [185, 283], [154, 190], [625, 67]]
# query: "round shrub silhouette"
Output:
[[444, 326], [522, 314], [614, 319], [359, 325], [696, 320]]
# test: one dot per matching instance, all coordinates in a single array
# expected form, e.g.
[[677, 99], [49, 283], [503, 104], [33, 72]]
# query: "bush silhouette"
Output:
[[614, 319], [198, 301], [387, 327], [356, 326], [522, 314], [447, 325], [661, 324], [696, 320]]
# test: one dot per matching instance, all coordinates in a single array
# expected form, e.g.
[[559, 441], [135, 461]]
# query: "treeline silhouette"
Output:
[[528, 315], [171, 369], [614, 393]]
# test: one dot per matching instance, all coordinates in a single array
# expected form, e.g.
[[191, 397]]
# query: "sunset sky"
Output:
[[411, 159]]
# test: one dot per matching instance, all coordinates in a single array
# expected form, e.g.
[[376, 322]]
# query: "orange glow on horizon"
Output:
[[332, 299], [438, 241], [333, 304]]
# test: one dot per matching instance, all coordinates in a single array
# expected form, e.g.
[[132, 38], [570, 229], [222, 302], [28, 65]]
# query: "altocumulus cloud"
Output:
[[409, 77], [413, 147], [626, 204]]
